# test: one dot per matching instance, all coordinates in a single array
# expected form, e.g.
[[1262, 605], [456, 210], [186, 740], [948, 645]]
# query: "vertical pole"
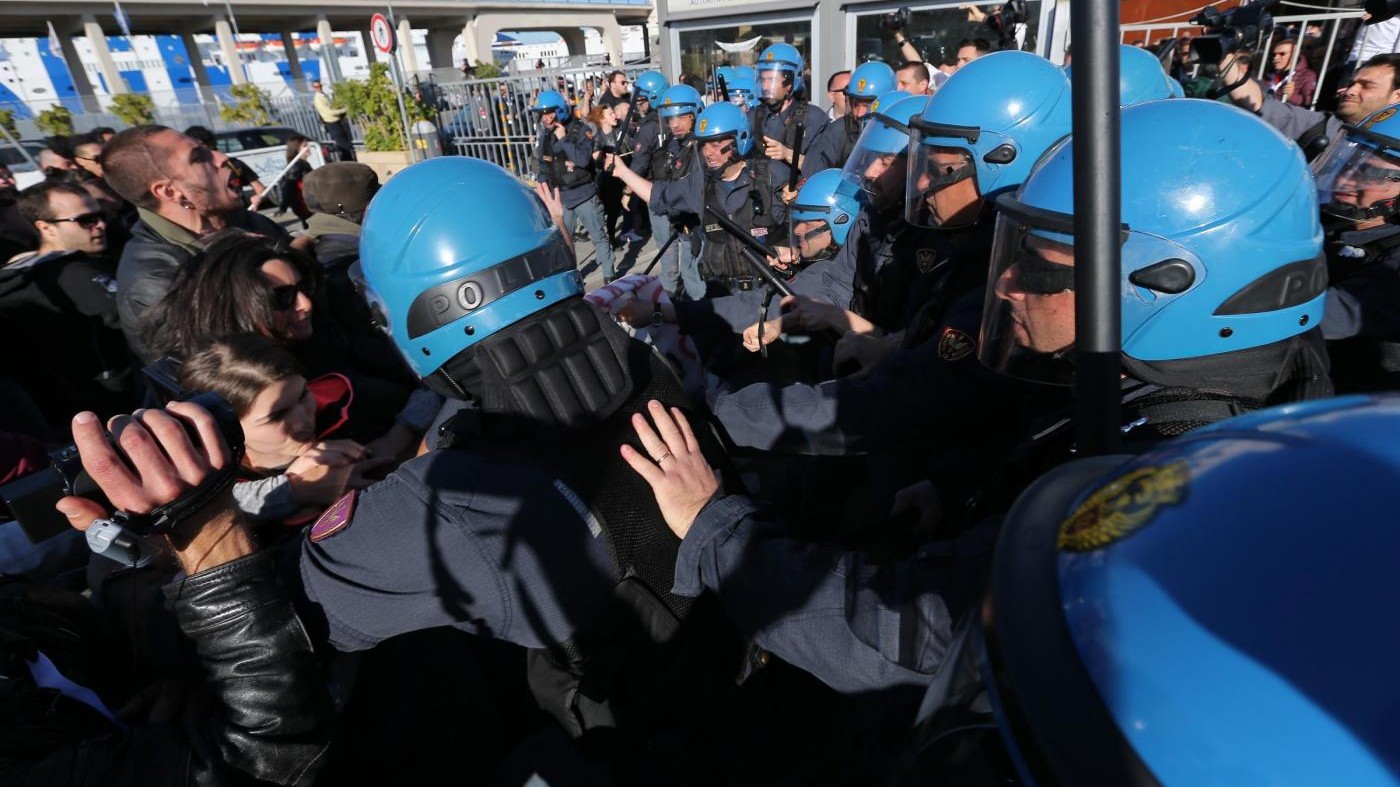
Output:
[[1097, 227]]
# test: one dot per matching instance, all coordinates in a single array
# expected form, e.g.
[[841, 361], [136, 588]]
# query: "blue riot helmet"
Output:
[[831, 199], [1222, 262], [743, 91], [440, 279], [1175, 87], [1140, 77], [724, 122], [677, 102], [552, 101], [650, 85], [877, 161], [1205, 613], [868, 82], [1358, 177], [779, 73], [980, 134]]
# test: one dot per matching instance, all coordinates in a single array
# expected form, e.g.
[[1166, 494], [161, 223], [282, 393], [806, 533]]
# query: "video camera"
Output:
[[895, 20], [31, 499], [1240, 27], [1004, 21]]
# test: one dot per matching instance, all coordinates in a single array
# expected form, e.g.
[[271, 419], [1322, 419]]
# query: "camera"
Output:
[[1004, 21], [1225, 32], [895, 20], [31, 499]]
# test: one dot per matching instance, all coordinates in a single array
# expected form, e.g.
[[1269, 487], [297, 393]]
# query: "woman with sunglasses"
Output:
[[243, 283]]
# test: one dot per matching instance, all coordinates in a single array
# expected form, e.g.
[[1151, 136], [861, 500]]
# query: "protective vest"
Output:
[[1363, 363], [673, 159], [563, 174], [724, 261], [605, 672], [797, 110]]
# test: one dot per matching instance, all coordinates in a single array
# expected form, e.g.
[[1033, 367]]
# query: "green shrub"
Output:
[[375, 108], [251, 106], [55, 120], [134, 109]]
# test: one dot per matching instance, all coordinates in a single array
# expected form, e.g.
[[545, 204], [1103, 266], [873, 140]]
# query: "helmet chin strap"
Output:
[[826, 253], [730, 157], [1339, 215]]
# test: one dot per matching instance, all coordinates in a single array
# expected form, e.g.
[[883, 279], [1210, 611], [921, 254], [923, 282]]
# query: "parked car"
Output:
[[26, 173], [264, 149]]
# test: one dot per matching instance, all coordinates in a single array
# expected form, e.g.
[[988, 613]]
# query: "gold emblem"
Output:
[[1124, 506], [1383, 115], [703, 124]]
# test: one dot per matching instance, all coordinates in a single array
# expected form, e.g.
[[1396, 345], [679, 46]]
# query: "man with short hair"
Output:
[[969, 49], [1292, 82], [86, 152], [182, 191], [62, 297], [56, 165], [615, 90], [333, 119], [912, 77], [836, 93]]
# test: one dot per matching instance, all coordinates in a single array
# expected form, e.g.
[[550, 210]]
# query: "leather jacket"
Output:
[[270, 720]]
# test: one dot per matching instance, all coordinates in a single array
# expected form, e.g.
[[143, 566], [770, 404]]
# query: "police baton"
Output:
[[794, 175], [723, 87], [752, 248], [661, 253]]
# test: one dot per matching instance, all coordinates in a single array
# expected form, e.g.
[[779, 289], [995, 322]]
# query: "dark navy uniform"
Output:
[[568, 165], [832, 146], [1362, 318], [677, 177], [750, 200], [782, 125]]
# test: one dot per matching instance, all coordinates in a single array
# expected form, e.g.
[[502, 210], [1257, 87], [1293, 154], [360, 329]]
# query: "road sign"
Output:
[[383, 34]]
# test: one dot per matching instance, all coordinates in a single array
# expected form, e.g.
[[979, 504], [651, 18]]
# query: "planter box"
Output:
[[384, 163]]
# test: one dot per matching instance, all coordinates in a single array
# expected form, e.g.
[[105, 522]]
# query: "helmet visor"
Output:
[[1028, 315], [774, 83], [1357, 180], [941, 189]]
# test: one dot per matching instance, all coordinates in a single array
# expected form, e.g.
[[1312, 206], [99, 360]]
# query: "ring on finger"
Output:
[[664, 457]]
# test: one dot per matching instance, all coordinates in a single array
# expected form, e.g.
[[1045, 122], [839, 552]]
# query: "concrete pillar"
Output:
[[196, 61], [612, 40], [367, 41], [228, 45], [330, 58], [575, 41], [98, 41], [289, 50], [81, 83], [440, 48], [408, 56], [478, 46]]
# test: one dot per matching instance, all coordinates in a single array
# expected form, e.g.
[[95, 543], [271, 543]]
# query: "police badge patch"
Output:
[[954, 345], [1124, 506], [926, 260], [335, 519]]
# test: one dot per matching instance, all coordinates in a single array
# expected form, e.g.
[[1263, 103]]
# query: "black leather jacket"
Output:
[[271, 718]]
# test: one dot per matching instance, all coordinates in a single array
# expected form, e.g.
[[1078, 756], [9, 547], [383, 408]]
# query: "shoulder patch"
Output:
[[336, 518], [1125, 505], [926, 260], [954, 345]]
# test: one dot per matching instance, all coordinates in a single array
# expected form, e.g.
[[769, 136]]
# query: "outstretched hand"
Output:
[[681, 479]]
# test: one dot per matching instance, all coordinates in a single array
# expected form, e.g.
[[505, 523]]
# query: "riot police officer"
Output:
[[565, 151], [1358, 183], [648, 136], [775, 121], [834, 144]]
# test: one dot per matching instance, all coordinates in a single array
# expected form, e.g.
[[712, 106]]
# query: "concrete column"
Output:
[[98, 41], [228, 45], [574, 40], [81, 83], [367, 41], [478, 46], [440, 48], [612, 40], [196, 61], [289, 50], [330, 59], [408, 56]]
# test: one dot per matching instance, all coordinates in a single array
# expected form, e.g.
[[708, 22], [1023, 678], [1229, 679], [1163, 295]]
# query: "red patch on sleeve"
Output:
[[336, 518]]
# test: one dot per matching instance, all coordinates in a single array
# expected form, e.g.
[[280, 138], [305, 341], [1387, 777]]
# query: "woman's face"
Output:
[[291, 316], [279, 424]]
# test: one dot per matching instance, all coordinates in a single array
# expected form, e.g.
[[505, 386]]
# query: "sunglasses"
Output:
[[285, 296], [87, 220]]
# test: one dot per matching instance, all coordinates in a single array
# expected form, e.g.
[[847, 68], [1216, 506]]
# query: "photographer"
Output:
[[895, 22], [269, 719]]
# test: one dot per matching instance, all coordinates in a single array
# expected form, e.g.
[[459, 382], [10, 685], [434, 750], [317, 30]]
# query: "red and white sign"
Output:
[[383, 34]]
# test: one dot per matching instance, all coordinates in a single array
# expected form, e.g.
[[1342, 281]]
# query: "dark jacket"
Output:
[[271, 717], [150, 260]]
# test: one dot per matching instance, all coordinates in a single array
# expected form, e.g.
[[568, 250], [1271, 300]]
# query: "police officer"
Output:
[[1202, 248], [1358, 188], [565, 151], [675, 190], [834, 144], [648, 136], [776, 119]]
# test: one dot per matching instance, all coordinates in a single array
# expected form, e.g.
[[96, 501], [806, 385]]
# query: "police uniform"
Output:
[[678, 194], [647, 140], [782, 125], [1362, 318], [832, 146], [567, 164], [749, 200]]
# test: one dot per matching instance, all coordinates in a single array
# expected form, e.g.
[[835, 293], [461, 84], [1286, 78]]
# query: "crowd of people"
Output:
[[473, 523]]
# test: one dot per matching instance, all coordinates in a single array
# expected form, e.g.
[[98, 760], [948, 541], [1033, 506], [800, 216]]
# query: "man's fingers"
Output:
[[80, 511], [644, 467], [158, 476], [171, 436], [101, 461], [653, 445], [675, 443], [691, 444], [208, 430]]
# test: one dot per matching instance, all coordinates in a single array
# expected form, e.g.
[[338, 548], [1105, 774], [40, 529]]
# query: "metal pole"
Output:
[[399, 86], [1097, 227]]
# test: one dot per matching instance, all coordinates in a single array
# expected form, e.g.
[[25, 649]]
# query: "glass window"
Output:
[[700, 53], [936, 33]]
